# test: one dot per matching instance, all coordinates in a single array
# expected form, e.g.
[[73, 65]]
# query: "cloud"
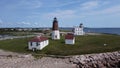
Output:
[[25, 23], [61, 14], [105, 2], [36, 24], [26, 4], [77, 13], [30, 4], [114, 9], [61, 4], [1, 21], [110, 10], [90, 5], [30, 24]]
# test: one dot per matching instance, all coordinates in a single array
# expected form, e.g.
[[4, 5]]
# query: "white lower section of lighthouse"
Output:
[[55, 34]]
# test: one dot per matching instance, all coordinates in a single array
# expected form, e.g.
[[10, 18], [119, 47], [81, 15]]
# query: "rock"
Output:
[[102, 60]]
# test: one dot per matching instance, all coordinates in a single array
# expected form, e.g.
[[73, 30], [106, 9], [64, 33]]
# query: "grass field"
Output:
[[83, 45], [17, 33]]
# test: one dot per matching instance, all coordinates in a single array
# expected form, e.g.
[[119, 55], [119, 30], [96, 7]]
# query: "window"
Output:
[[37, 43], [55, 36]]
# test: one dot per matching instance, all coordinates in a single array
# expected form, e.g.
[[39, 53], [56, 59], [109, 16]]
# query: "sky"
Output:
[[69, 13]]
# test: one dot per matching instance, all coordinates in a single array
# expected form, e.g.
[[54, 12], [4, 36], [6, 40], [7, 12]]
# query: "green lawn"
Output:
[[15, 33], [15, 45], [83, 45]]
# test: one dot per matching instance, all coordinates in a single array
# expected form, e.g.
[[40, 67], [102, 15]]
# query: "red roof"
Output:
[[38, 39], [69, 36]]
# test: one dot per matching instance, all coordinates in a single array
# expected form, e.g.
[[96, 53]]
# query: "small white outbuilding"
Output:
[[69, 39], [38, 43]]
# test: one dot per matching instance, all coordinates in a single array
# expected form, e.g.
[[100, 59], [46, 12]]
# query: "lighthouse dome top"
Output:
[[55, 18]]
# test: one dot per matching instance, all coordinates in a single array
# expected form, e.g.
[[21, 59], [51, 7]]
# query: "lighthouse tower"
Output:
[[55, 30]]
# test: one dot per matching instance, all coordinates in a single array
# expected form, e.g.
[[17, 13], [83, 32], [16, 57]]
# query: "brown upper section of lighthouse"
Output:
[[55, 24]]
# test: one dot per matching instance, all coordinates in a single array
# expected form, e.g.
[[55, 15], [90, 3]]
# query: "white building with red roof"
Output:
[[38, 43], [69, 39]]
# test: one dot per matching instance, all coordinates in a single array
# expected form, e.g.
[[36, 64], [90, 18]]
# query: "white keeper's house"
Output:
[[78, 30], [38, 43], [69, 39]]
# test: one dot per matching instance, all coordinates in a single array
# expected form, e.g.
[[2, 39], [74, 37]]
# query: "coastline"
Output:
[[100, 60]]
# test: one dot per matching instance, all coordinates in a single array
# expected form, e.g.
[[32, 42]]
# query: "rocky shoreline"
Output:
[[101, 60]]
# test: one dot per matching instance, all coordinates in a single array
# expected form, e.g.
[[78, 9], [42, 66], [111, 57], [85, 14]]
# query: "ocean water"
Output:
[[99, 30]]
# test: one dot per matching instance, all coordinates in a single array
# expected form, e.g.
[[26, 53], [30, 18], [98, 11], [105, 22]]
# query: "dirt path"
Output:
[[14, 60]]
